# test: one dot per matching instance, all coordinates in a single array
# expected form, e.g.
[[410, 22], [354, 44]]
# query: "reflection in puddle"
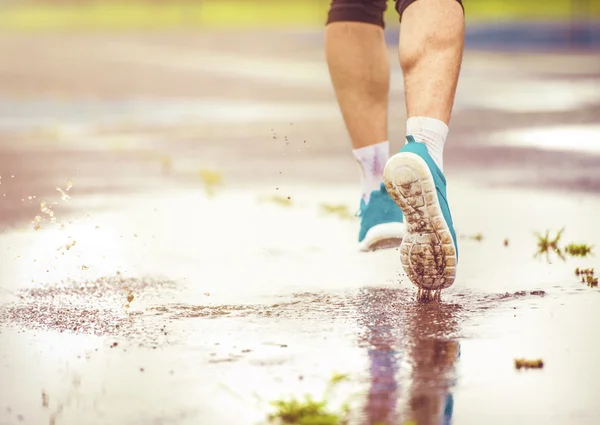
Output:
[[412, 351]]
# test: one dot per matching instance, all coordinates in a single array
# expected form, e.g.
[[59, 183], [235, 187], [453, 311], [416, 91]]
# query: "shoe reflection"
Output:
[[412, 349]]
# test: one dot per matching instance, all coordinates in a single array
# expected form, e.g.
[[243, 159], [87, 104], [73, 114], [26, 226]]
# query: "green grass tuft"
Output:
[[308, 411], [305, 412], [579, 250], [546, 245]]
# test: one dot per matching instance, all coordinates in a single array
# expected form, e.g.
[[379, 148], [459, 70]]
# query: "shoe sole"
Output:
[[427, 251], [382, 236]]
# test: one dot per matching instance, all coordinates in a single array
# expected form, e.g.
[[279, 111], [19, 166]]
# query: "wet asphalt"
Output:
[[178, 240]]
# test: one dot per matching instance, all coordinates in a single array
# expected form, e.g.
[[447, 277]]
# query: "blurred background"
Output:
[[136, 95], [572, 20]]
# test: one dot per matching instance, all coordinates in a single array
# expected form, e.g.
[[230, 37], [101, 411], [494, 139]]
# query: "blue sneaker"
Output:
[[429, 252], [381, 222]]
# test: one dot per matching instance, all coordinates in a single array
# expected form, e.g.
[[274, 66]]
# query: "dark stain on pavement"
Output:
[[101, 306]]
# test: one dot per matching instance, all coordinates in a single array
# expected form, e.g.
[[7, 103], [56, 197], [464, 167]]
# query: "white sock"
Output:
[[432, 132], [371, 162]]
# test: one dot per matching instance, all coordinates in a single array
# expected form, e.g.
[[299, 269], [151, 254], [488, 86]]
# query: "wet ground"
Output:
[[178, 245]]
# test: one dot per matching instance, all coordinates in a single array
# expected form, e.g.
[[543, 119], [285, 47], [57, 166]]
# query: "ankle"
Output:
[[371, 161], [432, 133]]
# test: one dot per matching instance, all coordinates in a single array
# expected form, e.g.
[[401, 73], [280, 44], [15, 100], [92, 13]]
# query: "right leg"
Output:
[[431, 47], [358, 63]]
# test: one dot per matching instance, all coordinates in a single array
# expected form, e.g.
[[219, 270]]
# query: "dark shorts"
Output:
[[367, 11]]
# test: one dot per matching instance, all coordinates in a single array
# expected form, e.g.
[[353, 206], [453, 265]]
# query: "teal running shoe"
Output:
[[381, 222], [429, 252]]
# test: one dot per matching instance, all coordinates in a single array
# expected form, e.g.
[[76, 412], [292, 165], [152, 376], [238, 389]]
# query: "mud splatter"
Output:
[[106, 287], [45, 399], [90, 307], [64, 196], [184, 311], [428, 295], [62, 318]]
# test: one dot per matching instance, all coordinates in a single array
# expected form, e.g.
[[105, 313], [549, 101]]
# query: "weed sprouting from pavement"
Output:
[[341, 211], [476, 237], [337, 378], [280, 200], [529, 364], [211, 180], [587, 277], [579, 250], [583, 272], [308, 411], [305, 412], [547, 245]]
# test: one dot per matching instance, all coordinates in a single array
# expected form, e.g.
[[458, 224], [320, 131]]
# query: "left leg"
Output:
[[357, 58]]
